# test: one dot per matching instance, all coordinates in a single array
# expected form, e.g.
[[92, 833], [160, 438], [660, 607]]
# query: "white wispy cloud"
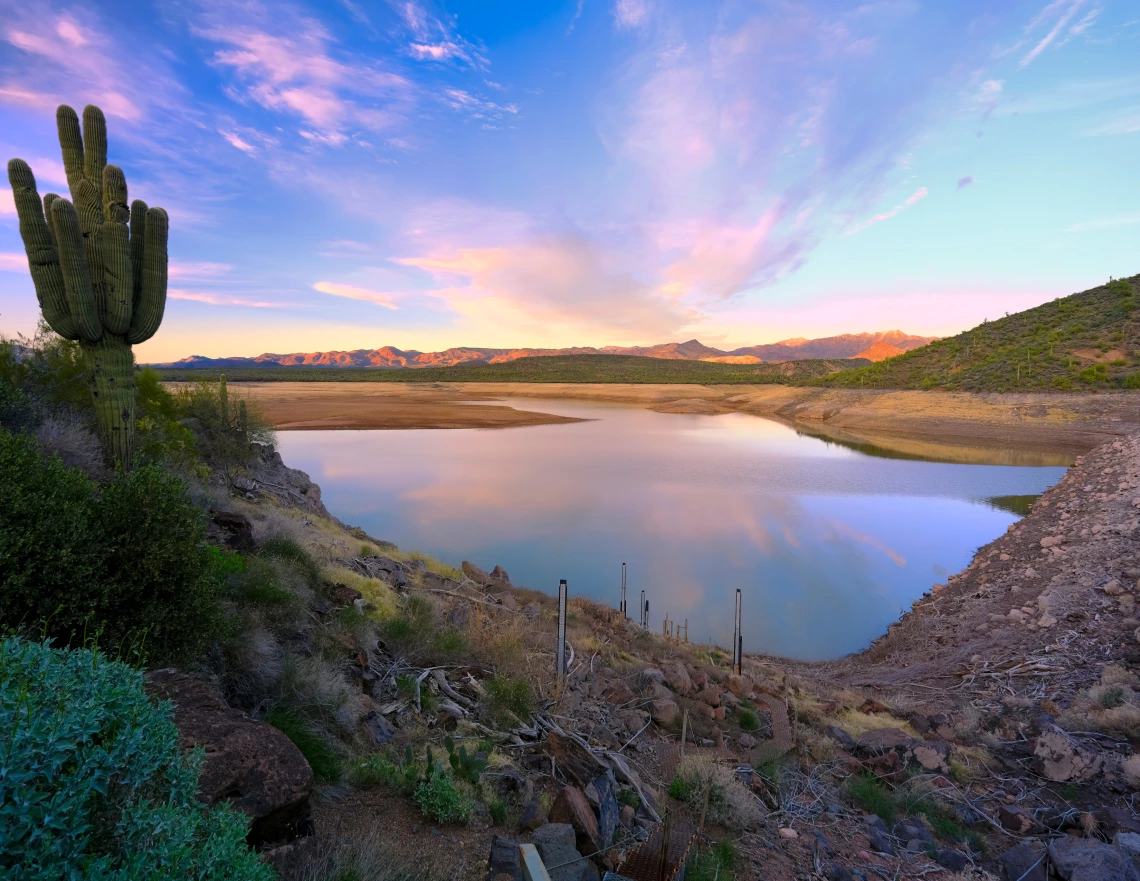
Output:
[[13, 262], [1061, 12], [913, 199], [1111, 222], [218, 298], [631, 13], [352, 292]]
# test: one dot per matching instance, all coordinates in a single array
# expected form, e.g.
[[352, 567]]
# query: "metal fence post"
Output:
[[624, 614], [737, 639], [561, 653]]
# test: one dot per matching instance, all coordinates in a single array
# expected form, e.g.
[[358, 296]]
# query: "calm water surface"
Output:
[[828, 544]]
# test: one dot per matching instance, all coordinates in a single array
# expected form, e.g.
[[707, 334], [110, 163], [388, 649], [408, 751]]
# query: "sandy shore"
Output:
[[961, 426]]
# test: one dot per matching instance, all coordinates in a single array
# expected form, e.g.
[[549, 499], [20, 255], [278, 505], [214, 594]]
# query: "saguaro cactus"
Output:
[[99, 269]]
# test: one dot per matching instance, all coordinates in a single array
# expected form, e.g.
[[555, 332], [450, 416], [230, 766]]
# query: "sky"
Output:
[[433, 173]]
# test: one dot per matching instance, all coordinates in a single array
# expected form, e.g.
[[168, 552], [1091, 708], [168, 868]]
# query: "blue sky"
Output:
[[352, 174]]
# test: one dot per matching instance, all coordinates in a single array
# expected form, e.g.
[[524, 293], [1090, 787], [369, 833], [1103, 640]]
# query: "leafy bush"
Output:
[[127, 560], [92, 781], [224, 423], [509, 700], [160, 435], [437, 797], [747, 719], [712, 864], [1094, 373]]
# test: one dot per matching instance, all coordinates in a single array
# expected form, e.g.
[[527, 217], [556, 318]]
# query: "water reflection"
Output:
[[829, 543]]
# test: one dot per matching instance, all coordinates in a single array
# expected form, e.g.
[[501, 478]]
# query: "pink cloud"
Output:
[[13, 262], [180, 270], [215, 298], [914, 199]]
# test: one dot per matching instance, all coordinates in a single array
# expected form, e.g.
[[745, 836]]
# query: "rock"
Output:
[[882, 740], [678, 679], [933, 756], [507, 601], [571, 806], [699, 678], [746, 741], [343, 595], [475, 573], [533, 815], [845, 740], [249, 764], [602, 796], [627, 815], [1113, 819], [651, 676], [913, 828], [1086, 859], [822, 844], [238, 529], [1063, 759], [500, 575], [951, 859], [1015, 819], [1129, 842], [459, 616], [709, 695], [532, 611], [1113, 588], [1046, 621], [617, 692], [660, 692], [836, 872], [880, 843], [1131, 769], [576, 762], [1026, 862], [791, 834], [378, 728], [741, 686], [718, 713], [1051, 541], [504, 864], [665, 713], [555, 844]]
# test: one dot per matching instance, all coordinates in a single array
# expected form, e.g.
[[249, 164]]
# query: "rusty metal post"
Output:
[[737, 639], [561, 652]]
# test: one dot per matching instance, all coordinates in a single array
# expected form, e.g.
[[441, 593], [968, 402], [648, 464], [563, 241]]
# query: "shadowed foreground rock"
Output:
[[249, 764]]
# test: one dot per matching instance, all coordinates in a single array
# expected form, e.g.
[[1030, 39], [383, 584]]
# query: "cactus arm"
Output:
[[76, 275], [138, 244], [119, 289], [71, 144], [94, 144], [43, 261], [151, 301]]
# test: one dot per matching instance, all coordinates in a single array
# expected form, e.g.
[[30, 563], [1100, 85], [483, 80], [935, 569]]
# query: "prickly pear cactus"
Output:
[[99, 268]]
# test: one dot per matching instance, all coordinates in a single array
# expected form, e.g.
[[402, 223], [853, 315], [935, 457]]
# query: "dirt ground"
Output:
[[959, 424]]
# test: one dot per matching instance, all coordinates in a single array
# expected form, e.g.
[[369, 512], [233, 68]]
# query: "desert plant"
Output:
[[729, 801], [466, 767], [437, 797], [225, 425], [127, 560], [509, 700], [94, 784], [98, 280]]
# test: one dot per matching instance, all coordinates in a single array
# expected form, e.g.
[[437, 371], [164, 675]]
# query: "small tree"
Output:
[[226, 426]]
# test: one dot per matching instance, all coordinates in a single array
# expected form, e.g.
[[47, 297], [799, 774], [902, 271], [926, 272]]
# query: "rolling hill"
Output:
[[555, 368], [862, 345], [1086, 341]]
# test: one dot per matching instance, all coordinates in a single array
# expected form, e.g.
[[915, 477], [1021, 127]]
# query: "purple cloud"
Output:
[[964, 182]]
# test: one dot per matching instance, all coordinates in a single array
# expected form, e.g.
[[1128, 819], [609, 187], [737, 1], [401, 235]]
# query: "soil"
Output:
[[962, 425]]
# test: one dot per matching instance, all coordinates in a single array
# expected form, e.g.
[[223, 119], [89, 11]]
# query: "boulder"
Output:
[[741, 686], [951, 859], [608, 809], [508, 601], [1026, 862], [632, 720], [650, 676], [626, 816], [504, 863], [238, 529], [1086, 859], [475, 573], [883, 740], [378, 728], [533, 815], [845, 740], [617, 692], [555, 844], [500, 575], [531, 611], [459, 616], [1063, 759], [249, 764], [664, 712], [933, 756], [1015, 819], [746, 741], [571, 807], [709, 695], [699, 678], [576, 762], [678, 678], [343, 595]]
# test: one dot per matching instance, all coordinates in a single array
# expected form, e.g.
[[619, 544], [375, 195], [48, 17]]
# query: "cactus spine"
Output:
[[99, 268]]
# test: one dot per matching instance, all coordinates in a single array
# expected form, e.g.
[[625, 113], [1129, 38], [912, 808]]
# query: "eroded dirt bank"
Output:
[[1059, 425]]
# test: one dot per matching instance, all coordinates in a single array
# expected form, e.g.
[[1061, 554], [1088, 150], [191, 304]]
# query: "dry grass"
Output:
[[1112, 706], [731, 804], [355, 855]]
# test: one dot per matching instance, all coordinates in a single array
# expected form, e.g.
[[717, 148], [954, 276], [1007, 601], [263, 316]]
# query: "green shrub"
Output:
[[290, 550], [873, 796], [322, 757], [508, 697], [747, 719], [680, 789], [629, 797], [127, 560], [92, 781], [1094, 373], [160, 435], [375, 770], [1132, 380], [437, 797]]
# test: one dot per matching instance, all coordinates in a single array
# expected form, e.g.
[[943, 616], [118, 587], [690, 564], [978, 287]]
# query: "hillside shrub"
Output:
[[93, 783], [127, 561]]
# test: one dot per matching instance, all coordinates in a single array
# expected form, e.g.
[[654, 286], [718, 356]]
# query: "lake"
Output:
[[828, 543]]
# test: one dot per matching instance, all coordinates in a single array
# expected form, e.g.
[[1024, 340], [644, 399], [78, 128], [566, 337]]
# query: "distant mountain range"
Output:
[[873, 346]]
